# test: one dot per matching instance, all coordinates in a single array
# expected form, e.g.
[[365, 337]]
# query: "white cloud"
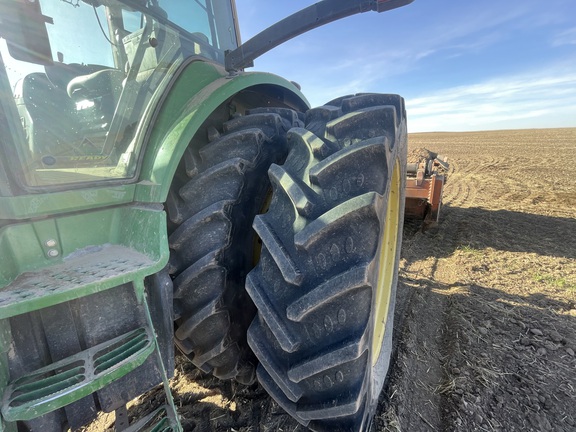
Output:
[[356, 66], [567, 37], [544, 99]]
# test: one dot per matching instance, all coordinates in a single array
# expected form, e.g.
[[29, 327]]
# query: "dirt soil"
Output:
[[485, 326]]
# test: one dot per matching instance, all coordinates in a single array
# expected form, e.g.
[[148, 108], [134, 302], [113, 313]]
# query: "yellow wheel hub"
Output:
[[386, 264]]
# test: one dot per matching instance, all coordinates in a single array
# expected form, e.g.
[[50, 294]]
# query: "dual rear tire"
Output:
[[218, 189], [324, 285]]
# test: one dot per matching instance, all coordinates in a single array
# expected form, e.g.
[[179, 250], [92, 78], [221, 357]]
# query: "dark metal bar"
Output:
[[302, 21]]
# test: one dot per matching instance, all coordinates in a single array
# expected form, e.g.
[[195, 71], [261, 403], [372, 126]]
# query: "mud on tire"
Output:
[[218, 189], [325, 283]]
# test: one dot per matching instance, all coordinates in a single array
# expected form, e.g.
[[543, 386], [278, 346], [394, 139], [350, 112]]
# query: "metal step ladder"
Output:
[[68, 380]]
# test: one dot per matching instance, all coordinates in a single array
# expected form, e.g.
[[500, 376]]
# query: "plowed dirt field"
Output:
[[485, 326]]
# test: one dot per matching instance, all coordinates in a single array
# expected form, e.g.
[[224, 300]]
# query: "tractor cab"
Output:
[[153, 193], [77, 76]]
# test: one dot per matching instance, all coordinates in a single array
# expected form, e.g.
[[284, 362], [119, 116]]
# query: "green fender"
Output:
[[197, 91]]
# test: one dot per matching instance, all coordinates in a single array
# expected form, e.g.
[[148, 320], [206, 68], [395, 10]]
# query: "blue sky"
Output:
[[461, 65]]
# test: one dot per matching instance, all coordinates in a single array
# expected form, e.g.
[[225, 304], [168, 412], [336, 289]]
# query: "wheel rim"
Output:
[[386, 264]]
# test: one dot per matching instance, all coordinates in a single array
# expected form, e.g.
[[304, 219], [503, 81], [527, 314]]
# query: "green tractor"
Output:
[[154, 193]]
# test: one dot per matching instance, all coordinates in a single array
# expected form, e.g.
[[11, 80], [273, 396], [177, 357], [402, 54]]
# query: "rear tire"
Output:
[[218, 189], [326, 281]]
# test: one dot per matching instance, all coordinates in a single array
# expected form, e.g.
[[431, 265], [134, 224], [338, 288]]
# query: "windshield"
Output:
[[75, 114]]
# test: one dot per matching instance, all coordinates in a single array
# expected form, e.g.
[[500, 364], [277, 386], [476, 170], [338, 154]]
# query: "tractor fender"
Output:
[[195, 93]]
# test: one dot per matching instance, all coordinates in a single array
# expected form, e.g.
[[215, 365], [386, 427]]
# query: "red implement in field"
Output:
[[424, 185]]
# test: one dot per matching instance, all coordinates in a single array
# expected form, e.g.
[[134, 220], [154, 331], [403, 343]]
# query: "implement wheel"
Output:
[[218, 189], [326, 281]]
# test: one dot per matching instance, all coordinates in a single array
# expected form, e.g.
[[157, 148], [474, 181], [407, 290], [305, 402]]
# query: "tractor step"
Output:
[[68, 380], [85, 272]]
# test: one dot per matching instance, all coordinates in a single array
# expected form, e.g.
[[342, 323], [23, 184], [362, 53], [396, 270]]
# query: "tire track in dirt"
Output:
[[462, 185], [485, 183], [514, 194], [416, 399], [461, 191], [481, 165], [525, 192]]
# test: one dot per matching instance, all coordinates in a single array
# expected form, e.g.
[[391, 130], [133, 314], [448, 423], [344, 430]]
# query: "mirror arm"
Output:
[[302, 21]]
